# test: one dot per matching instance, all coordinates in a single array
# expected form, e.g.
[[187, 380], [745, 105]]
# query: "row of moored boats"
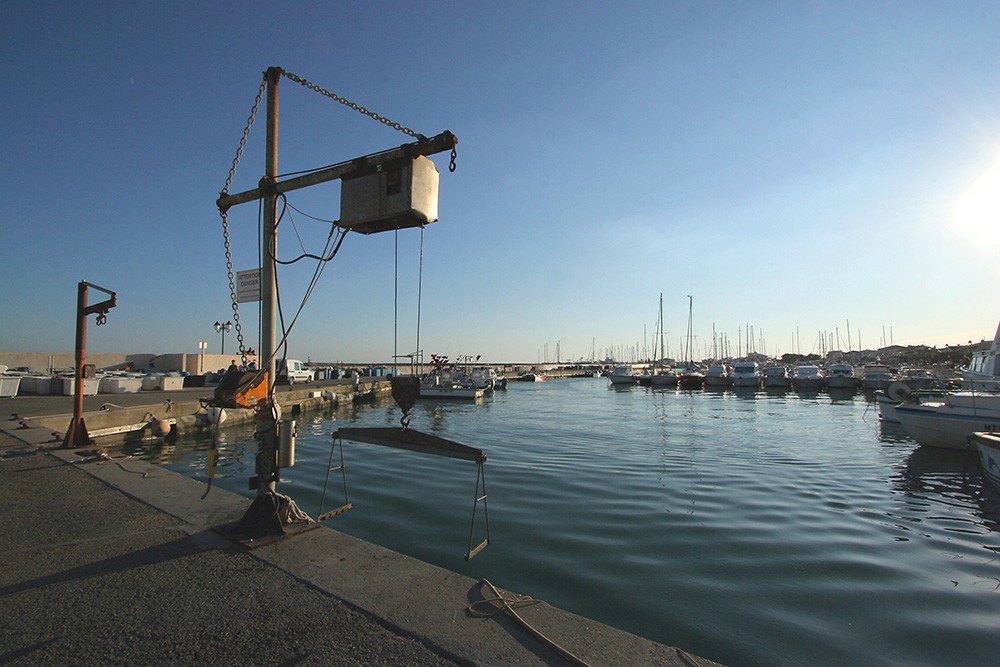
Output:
[[751, 374]]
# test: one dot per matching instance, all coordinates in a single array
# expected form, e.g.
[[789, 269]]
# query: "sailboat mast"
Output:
[[662, 353]]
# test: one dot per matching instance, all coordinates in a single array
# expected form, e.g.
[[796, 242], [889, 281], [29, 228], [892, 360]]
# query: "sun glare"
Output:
[[977, 212]]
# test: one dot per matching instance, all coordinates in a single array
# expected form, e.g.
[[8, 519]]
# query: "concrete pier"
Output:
[[118, 561]]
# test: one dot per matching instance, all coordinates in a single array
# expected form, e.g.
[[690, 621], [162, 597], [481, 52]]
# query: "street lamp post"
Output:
[[223, 328]]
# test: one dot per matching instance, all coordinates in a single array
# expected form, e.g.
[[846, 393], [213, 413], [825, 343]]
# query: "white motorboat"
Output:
[[746, 374], [434, 385], [718, 375], [948, 423], [622, 375], [988, 447], [808, 378], [983, 372], [777, 377], [663, 377], [841, 376]]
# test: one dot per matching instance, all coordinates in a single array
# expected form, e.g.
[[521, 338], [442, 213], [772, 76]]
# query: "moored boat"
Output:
[[919, 378], [983, 372], [808, 378], [663, 377], [718, 376], [622, 375], [746, 374], [948, 423], [988, 447], [448, 381], [690, 378], [777, 377], [841, 376], [876, 376]]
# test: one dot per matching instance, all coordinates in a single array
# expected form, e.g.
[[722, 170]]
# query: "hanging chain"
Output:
[[232, 289], [356, 107], [225, 220]]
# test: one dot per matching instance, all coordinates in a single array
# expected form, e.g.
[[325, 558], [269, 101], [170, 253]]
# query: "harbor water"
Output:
[[746, 527]]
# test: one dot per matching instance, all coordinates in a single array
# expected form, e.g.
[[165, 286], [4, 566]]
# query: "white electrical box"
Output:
[[396, 197]]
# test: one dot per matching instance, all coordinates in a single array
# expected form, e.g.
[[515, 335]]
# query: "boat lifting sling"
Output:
[[414, 441]]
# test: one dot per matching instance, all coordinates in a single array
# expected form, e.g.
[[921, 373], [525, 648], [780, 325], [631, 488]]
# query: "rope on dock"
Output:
[[509, 602]]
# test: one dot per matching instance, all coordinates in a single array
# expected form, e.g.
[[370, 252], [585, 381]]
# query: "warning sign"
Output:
[[248, 286]]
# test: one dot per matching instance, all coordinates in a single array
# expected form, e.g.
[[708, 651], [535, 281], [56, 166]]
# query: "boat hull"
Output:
[[945, 426], [841, 382], [988, 448], [808, 384], [444, 391], [663, 380], [694, 381]]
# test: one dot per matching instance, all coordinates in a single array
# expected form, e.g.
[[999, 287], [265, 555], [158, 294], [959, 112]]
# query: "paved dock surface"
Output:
[[121, 562]]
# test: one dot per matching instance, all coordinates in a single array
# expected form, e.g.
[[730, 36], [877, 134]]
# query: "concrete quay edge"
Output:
[[413, 598]]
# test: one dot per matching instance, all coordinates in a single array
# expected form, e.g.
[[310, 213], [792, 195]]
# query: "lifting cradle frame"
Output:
[[414, 441]]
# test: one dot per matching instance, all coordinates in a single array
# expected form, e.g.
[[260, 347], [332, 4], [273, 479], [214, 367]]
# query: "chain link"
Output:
[[246, 135], [348, 103], [232, 289], [225, 219]]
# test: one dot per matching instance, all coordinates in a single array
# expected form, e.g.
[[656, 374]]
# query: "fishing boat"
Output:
[[841, 376], [948, 423], [988, 447], [983, 372], [448, 381], [746, 374], [808, 378], [899, 392]]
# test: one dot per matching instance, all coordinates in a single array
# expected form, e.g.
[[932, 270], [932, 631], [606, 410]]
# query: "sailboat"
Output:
[[661, 376], [690, 378]]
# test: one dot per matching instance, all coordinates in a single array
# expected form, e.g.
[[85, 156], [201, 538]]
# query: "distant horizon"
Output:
[[427, 362]]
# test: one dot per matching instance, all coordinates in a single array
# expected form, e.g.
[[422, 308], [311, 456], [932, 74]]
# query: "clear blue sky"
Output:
[[791, 165]]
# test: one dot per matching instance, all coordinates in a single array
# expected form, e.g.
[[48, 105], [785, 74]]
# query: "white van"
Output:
[[294, 372]]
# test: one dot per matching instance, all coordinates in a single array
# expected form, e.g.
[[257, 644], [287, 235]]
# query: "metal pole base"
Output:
[[263, 518], [77, 434]]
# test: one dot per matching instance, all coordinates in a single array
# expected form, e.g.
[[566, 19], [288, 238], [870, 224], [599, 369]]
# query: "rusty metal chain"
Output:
[[360, 109], [246, 135], [225, 219], [232, 289]]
